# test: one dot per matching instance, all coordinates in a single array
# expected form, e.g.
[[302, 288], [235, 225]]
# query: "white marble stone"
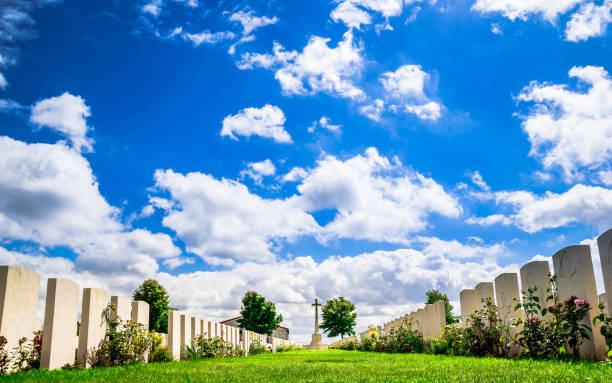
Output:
[[185, 333], [174, 334], [484, 290], [122, 308], [60, 326], [535, 274], [467, 300], [19, 288], [93, 323], [140, 313], [604, 243], [575, 276]]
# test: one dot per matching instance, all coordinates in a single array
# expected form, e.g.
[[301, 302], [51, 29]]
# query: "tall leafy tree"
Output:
[[158, 299], [258, 314], [339, 317], [434, 296]]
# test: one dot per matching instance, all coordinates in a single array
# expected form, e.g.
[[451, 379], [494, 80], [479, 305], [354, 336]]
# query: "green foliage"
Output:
[[339, 317], [401, 339], [258, 314], [202, 348], [452, 342], [126, 342], [289, 347], [157, 297], [434, 296], [572, 314], [486, 335], [257, 348], [24, 357], [534, 334], [159, 353], [606, 327]]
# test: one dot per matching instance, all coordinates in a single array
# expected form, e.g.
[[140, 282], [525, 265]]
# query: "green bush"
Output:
[[257, 348], [159, 353], [606, 327], [486, 335], [201, 348], [289, 347], [452, 342]]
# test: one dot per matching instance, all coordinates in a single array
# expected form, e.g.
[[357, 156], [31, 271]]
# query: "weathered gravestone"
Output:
[[174, 334], [604, 243], [507, 296], [575, 276], [535, 274], [18, 302], [60, 326], [140, 313], [185, 333], [484, 291], [122, 308], [93, 323], [467, 299]]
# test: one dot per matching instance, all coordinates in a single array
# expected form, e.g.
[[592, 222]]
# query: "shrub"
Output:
[[533, 336], [486, 335], [159, 353], [403, 339], [572, 314], [606, 328], [290, 347], [201, 348], [452, 342], [257, 348]]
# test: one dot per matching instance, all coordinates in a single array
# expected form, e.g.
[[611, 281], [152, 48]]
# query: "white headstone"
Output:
[[185, 333], [604, 242], [467, 299], [93, 323], [484, 290], [140, 313], [122, 308], [174, 334], [535, 274], [18, 302]]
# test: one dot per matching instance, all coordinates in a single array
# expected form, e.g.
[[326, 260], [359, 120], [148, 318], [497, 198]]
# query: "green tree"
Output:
[[157, 297], [434, 296], [258, 314], [339, 317]]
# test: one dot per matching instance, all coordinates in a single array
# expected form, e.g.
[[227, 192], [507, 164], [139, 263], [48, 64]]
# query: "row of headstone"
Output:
[[575, 275], [342, 341], [428, 321], [19, 288]]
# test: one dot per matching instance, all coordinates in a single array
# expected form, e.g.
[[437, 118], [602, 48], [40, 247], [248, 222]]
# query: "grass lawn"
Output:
[[336, 366]]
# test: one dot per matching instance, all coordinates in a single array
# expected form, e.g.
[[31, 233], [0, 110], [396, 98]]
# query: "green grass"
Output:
[[336, 366]]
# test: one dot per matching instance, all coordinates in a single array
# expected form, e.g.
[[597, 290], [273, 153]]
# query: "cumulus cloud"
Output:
[[522, 9], [49, 195], [375, 198], [258, 170], [66, 114], [591, 205], [318, 68], [405, 92], [204, 37], [222, 222], [571, 129], [267, 121], [589, 21], [324, 123], [152, 7], [350, 15]]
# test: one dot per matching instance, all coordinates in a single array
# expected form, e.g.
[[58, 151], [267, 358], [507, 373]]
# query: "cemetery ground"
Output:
[[335, 366]]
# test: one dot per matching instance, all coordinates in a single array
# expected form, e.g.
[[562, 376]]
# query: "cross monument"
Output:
[[317, 339]]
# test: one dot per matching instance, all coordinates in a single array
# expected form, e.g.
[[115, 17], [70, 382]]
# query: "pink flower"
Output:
[[578, 302]]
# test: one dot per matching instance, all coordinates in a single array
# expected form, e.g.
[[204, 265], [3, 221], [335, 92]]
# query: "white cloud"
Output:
[[406, 88], [318, 68], [375, 198], [374, 110], [267, 121], [3, 82], [324, 123], [295, 174], [496, 29], [153, 7], [206, 37], [479, 181], [387, 8], [66, 114], [249, 24], [49, 195], [350, 15], [591, 205], [8, 105], [571, 129], [522, 9], [589, 21], [605, 176], [222, 222], [257, 170]]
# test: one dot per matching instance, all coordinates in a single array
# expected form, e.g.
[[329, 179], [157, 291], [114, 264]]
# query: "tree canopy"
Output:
[[258, 314], [434, 296], [339, 317], [158, 299]]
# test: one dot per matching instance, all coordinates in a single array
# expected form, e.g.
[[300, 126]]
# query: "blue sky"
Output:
[[365, 148]]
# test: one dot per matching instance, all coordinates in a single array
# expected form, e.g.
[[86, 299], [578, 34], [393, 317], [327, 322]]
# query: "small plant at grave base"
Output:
[[202, 348], [486, 334], [289, 347], [451, 342], [555, 338], [533, 335], [159, 353], [5, 360], [572, 315], [605, 329], [126, 342], [26, 355], [257, 348], [403, 339]]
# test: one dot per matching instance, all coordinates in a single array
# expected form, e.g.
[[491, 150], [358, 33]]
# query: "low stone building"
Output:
[[280, 332]]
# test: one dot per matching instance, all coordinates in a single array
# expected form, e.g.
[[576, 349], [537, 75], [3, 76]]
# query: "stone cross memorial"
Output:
[[317, 339]]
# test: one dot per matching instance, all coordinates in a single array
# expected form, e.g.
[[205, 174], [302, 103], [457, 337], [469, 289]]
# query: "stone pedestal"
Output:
[[316, 343]]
